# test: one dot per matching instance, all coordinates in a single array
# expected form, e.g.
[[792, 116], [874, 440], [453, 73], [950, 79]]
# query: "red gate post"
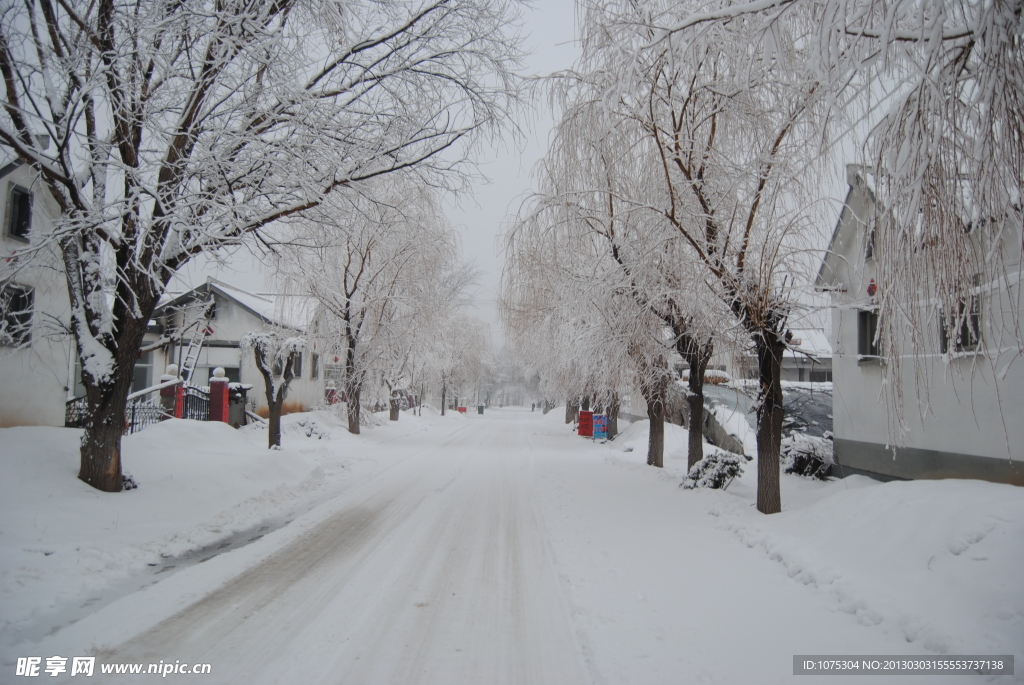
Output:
[[219, 396]]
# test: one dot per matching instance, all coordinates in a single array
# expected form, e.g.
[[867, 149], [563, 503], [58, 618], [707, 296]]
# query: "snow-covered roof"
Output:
[[811, 341], [290, 311], [859, 181]]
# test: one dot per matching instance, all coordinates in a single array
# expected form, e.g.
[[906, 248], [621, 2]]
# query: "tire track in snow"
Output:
[[437, 571]]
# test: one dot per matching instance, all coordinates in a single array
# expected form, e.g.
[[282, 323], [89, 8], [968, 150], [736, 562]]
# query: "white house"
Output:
[[227, 314], [972, 427], [39, 368], [35, 342]]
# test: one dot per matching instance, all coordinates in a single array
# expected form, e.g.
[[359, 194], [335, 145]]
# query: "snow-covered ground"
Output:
[[499, 548]]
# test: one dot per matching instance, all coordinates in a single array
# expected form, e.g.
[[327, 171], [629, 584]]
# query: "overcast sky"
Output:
[[550, 31]]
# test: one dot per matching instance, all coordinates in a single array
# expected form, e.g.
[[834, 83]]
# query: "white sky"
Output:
[[549, 29]]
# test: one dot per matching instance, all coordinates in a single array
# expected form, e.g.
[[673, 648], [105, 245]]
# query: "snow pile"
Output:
[[735, 424]]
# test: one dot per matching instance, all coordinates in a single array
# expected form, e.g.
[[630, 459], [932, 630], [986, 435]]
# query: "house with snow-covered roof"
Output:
[[970, 426], [223, 315]]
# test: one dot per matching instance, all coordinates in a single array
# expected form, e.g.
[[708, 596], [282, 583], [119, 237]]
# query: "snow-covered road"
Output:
[[504, 549], [436, 571]]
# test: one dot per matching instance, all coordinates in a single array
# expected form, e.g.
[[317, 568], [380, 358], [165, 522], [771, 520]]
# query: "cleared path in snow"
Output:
[[436, 571]]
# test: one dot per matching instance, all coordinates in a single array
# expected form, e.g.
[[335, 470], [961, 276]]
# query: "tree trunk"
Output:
[[100, 450], [769, 423], [585, 404], [697, 357], [274, 422], [393, 410], [613, 417], [352, 392], [570, 411], [656, 436], [444, 398], [653, 390]]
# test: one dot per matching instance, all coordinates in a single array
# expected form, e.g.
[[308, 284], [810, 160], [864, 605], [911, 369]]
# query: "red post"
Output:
[[179, 401], [219, 396]]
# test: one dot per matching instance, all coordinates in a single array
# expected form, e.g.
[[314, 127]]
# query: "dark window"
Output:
[[867, 334], [821, 376], [143, 373], [278, 370], [19, 213], [314, 366], [968, 332], [16, 305], [233, 374]]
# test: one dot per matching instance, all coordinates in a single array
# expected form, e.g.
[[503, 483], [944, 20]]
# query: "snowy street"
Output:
[[505, 549], [435, 571]]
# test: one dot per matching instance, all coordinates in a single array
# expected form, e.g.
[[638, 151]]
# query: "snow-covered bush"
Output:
[[715, 470], [807, 455]]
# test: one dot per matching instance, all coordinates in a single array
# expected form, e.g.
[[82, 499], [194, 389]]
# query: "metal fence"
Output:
[[195, 404], [140, 413], [75, 413]]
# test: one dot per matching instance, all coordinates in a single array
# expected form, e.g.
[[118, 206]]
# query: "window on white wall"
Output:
[[16, 303], [966, 328], [867, 334], [19, 213]]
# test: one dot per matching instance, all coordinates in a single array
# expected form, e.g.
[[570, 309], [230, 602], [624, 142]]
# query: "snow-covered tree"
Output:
[[276, 353], [932, 94], [733, 121], [385, 271], [175, 129], [458, 350], [569, 308]]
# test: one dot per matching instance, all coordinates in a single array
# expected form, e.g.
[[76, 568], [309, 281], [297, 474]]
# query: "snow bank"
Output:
[[201, 485], [934, 563]]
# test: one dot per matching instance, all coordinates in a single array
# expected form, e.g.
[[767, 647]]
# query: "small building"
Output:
[[222, 315], [971, 425]]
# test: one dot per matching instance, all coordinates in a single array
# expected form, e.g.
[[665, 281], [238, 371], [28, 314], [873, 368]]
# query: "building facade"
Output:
[[962, 416]]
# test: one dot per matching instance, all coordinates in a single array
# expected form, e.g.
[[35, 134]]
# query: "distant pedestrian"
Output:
[[533, 405]]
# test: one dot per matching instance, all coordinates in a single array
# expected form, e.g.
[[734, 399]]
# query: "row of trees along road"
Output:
[[383, 272], [682, 192], [180, 128]]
